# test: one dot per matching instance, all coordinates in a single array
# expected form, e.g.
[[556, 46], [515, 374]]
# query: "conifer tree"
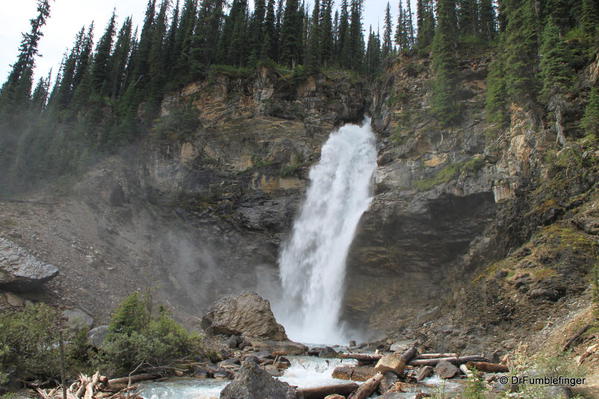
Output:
[[487, 24], [101, 63], [256, 30], [356, 36], [589, 19], [409, 24], [556, 75], [373, 54], [496, 96], [590, 120], [120, 58], [344, 46], [468, 17], [291, 34], [269, 45], [387, 44], [426, 23], [444, 64], [326, 32], [313, 50], [17, 89], [184, 40], [521, 52]]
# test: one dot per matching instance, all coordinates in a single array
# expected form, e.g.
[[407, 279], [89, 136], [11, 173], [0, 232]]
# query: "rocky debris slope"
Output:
[[21, 271]]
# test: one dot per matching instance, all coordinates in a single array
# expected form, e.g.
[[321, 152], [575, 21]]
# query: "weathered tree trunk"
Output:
[[368, 388], [453, 360], [321, 392], [361, 356], [435, 355], [133, 378], [488, 367], [466, 371]]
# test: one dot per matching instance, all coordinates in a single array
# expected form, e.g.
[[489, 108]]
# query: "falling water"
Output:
[[312, 262]]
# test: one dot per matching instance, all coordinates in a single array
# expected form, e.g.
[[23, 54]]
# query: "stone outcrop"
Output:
[[246, 314], [21, 271], [252, 382]]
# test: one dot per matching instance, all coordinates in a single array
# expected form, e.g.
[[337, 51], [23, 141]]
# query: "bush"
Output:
[[29, 343], [138, 337]]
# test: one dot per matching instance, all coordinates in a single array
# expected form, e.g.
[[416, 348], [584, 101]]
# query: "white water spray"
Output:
[[312, 262]]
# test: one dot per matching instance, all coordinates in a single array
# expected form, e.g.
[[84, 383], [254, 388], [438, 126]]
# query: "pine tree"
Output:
[[291, 34], [556, 75], [184, 40], [171, 41], [590, 120], [426, 23], [387, 44], [444, 64], [17, 89], [496, 96], [269, 44], [373, 54], [487, 24], [521, 49], [356, 36], [256, 30], [468, 17], [313, 50], [409, 24], [158, 61], [326, 32], [120, 58], [589, 18], [101, 63], [344, 46], [65, 86]]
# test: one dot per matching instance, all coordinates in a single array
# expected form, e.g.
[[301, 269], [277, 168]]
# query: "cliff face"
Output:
[[470, 229], [476, 232]]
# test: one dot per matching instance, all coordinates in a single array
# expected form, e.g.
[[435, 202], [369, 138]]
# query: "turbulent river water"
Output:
[[312, 262]]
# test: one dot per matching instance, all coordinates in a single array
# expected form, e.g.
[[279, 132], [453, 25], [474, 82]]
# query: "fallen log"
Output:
[[395, 362], [133, 378], [435, 355], [368, 388], [321, 392], [354, 373], [365, 357], [488, 367], [453, 360]]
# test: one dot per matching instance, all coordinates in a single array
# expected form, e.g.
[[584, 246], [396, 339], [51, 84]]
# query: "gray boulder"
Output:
[[77, 319], [446, 370], [252, 383], [247, 314], [21, 271], [97, 336]]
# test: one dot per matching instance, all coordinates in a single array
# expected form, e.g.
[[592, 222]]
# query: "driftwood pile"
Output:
[[391, 372], [98, 387]]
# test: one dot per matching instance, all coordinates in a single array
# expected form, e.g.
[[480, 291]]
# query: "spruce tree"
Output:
[[409, 24], [344, 46], [183, 42], [556, 75], [17, 89], [256, 30], [590, 120], [313, 50], [326, 32], [487, 24], [119, 59], [468, 17], [101, 67], [356, 37], [496, 96], [521, 50], [444, 64], [269, 45], [589, 18], [291, 34], [426, 23], [388, 28]]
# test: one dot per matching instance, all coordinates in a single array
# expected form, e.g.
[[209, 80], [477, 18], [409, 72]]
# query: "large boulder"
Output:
[[21, 271], [247, 314], [252, 383]]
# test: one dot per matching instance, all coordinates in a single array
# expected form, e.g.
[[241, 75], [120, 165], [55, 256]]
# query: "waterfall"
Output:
[[312, 261]]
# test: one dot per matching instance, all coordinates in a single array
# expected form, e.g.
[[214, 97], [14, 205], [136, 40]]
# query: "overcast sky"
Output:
[[67, 17]]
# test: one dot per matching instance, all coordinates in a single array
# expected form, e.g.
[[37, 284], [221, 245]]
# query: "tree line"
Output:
[[108, 91]]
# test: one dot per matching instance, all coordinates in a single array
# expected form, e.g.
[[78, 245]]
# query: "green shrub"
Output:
[[29, 343], [475, 387], [136, 336]]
